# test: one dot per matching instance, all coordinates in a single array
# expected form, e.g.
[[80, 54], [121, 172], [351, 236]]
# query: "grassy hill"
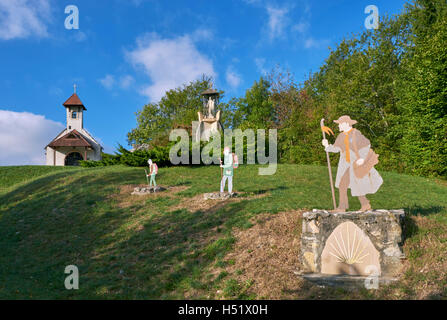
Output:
[[173, 245]]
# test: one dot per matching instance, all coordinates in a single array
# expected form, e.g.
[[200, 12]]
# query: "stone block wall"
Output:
[[350, 242]]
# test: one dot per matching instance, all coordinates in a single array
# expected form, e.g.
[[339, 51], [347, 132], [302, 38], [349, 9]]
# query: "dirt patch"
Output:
[[267, 256], [125, 199], [197, 202], [177, 189]]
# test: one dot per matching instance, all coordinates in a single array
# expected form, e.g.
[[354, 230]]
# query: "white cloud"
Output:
[[23, 18], [279, 24], [202, 34], [277, 21], [169, 63], [126, 81], [232, 78], [260, 65], [310, 43], [108, 81], [301, 27], [80, 36], [23, 137]]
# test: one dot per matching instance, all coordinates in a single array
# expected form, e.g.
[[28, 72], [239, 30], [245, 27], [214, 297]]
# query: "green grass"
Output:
[[51, 217], [14, 175]]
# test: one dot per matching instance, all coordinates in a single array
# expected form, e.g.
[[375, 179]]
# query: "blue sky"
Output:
[[126, 53]]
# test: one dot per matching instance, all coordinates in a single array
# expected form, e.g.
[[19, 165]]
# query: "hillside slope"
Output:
[[173, 245]]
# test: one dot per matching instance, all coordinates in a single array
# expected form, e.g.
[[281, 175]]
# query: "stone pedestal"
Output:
[[207, 127], [352, 244]]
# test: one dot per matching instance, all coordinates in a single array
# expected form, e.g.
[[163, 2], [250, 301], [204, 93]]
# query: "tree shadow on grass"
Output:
[[410, 226], [266, 190], [424, 211], [50, 223], [170, 255], [135, 252]]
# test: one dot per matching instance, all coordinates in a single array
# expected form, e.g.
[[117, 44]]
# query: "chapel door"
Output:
[[72, 159]]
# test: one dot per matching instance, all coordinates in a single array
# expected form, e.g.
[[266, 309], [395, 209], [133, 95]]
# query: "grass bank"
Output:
[[172, 245]]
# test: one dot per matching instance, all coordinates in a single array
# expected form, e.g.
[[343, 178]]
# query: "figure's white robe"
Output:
[[370, 183]]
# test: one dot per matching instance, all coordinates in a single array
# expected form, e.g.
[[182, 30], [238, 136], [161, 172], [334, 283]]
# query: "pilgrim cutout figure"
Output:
[[153, 170], [356, 166], [227, 170]]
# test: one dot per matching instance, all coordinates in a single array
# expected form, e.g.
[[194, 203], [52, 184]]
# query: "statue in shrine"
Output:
[[210, 105], [209, 117]]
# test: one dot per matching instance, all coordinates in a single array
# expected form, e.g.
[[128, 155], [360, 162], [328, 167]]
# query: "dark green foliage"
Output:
[[107, 160], [297, 117], [393, 80], [160, 154], [425, 139], [255, 109], [138, 158]]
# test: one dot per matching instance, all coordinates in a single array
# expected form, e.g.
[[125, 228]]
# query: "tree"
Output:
[[424, 147], [297, 116], [254, 110]]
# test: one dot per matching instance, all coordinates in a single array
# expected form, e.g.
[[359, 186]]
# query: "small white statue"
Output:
[[210, 108]]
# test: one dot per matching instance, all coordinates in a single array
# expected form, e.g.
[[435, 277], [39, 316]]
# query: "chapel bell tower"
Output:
[[75, 112]]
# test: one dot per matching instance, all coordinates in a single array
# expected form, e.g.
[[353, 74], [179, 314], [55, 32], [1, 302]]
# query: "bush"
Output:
[[138, 158], [160, 154]]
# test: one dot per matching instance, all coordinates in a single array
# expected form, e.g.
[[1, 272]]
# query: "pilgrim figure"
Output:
[[153, 170], [228, 170], [356, 166]]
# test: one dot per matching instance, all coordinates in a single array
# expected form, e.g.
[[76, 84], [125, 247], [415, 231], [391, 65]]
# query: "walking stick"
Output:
[[328, 130], [147, 178]]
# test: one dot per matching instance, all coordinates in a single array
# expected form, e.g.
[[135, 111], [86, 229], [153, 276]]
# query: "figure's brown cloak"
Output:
[[357, 141], [359, 147]]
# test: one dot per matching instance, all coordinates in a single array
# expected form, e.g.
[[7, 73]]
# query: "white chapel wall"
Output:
[[62, 152]]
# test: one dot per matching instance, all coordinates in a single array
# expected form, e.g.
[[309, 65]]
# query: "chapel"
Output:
[[74, 143]]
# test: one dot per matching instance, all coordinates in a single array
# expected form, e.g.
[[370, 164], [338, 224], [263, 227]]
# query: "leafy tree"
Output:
[[424, 146], [360, 78], [254, 110], [297, 117]]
